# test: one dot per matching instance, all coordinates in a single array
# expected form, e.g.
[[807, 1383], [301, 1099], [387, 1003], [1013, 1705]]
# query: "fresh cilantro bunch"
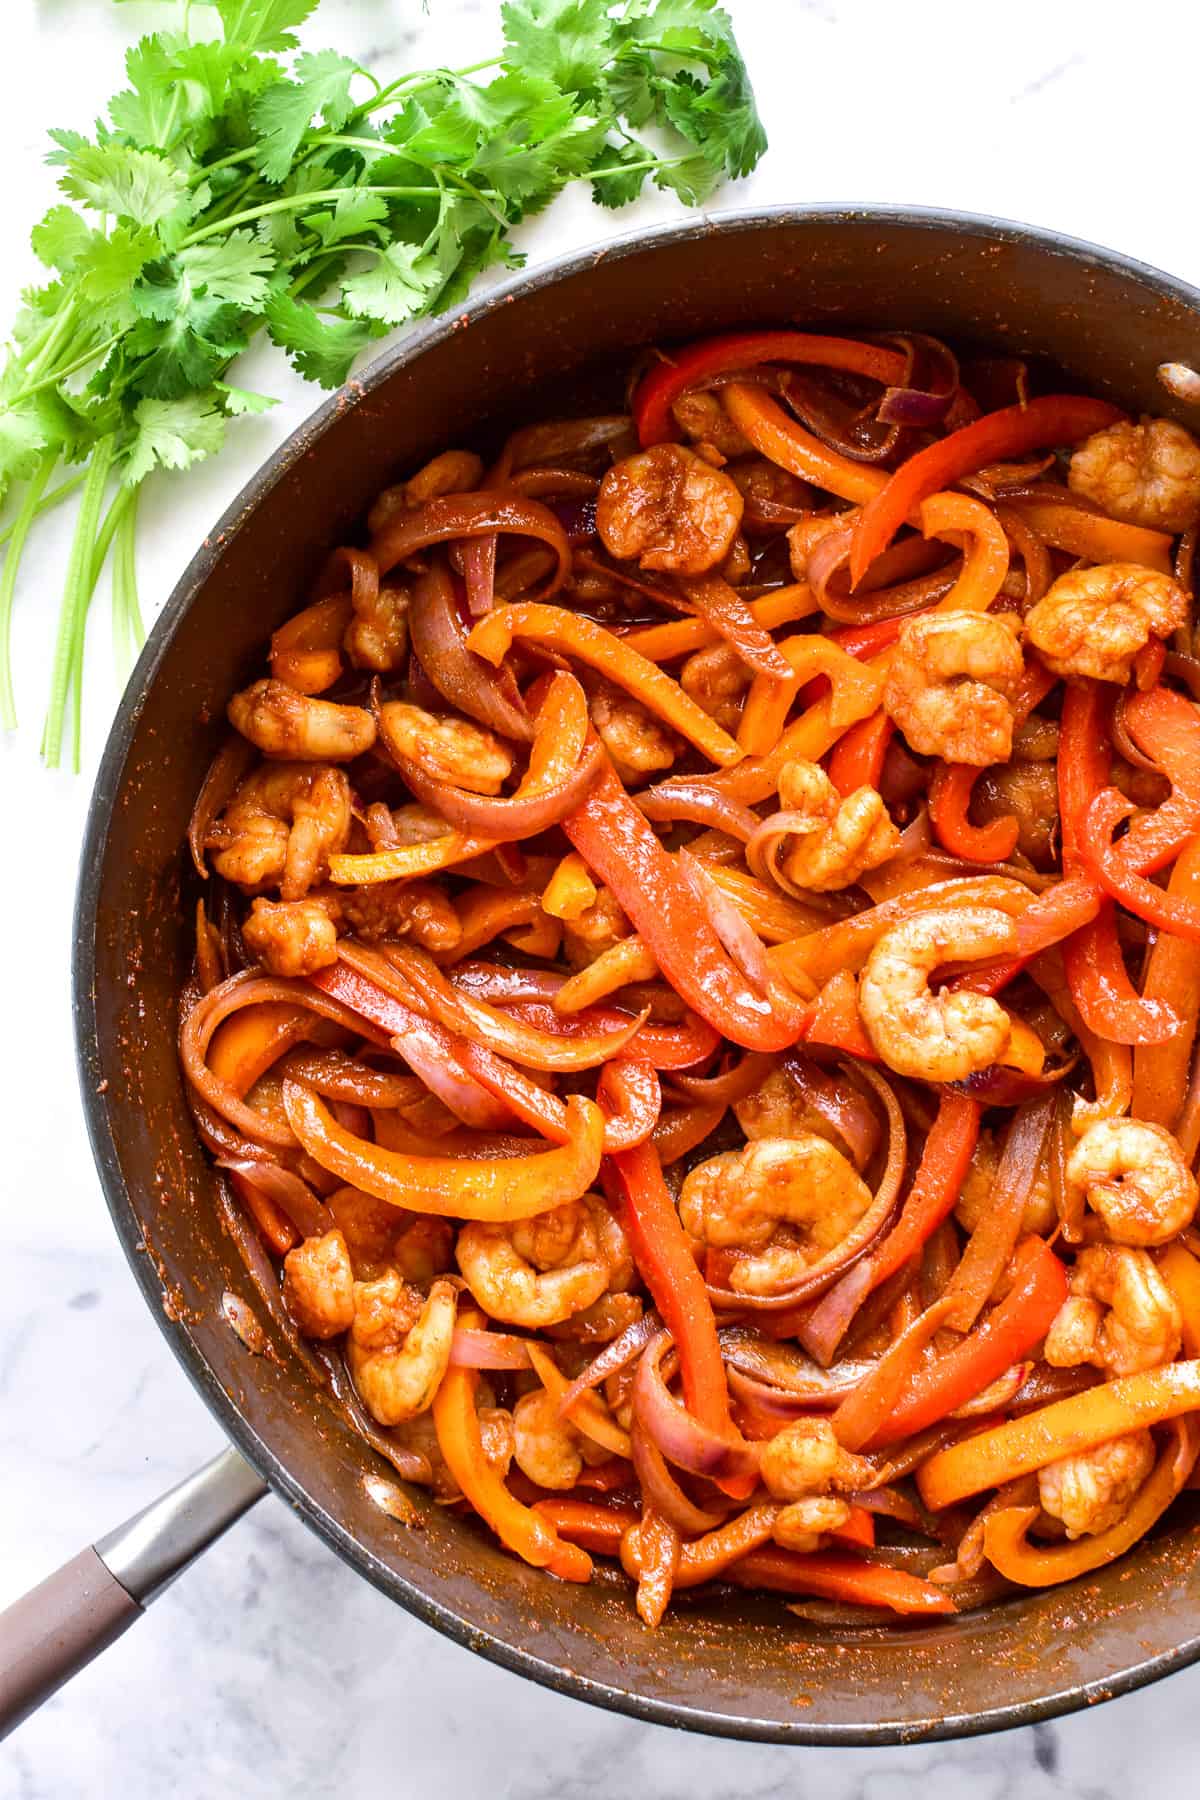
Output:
[[239, 184]]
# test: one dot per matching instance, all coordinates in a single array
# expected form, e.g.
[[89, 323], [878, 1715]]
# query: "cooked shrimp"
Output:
[[290, 937], [717, 679], [1092, 1491], [833, 841], [805, 1459], [597, 928], [1147, 474], [804, 1524], [281, 827], [1121, 1315], [670, 509], [928, 1036], [701, 417], [546, 1448], [1095, 621], [1136, 1178], [377, 635], [318, 1285], [740, 1199], [776, 1109], [453, 472], [806, 534], [975, 1196], [633, 737], [764, 484], [951, 685], [285, 724], [399, 1345], [448, 748], [543, 1270]]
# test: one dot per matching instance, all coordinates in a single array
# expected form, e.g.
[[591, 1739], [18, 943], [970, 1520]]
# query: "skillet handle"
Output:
[[59, 1626]]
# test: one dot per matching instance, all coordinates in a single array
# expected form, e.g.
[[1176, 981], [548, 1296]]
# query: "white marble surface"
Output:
[[271, 1669]]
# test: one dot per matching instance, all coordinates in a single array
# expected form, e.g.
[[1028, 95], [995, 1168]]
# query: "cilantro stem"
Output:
[[128, 631], [18, 531], [47, 504], [61, 372], [423, 78], [60, 328], [293, 203], [632, 168], [77, 592]]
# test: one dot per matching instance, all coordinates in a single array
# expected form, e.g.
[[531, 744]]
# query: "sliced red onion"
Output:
[[475, 1349], [612, 1359], [439, 639], [697, 803], [661, 1490], [682, 1439]]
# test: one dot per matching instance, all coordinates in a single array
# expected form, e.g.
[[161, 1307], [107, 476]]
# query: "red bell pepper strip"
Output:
[[834, 1019], [999, 436], [587, 1523], [949, 809], [834, 1575], [621, 847], [856, 760], [1050, 917], [1010, 1330], [936, 1185], [1107, 1000], [662, 385], [1166, 726], [859, 1529], [667, 1266], [1084, 758], [1176, 913]]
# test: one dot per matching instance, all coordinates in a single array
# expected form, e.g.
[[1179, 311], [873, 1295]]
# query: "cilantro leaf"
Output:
[[233, 268], [719, 117], [615, 185], [134, 184], [284, 111], [566, 41], [173, 434], [22, 439], [322, 345], [401, 282], [60, 238], [240, 401], [354, 215], [263, 24]]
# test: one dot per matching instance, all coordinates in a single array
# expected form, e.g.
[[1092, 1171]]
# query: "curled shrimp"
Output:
[[633, 737], [1135, 1176], [781, 1202], [832, 840], [377, 636], [951, 685], [804, 1524], [717, 679], [399, 1345], [281, 722], [297, 937], [928, 1036], [545, 1446], [669, 509], [542, 1271], [1120, 1315], [805, 1459], [448, 748], [1095, 621], [281, 827], [1092, 1491], [975, 1198], [290, 937], [380, 1237], [1147, 474], [318, 1285]]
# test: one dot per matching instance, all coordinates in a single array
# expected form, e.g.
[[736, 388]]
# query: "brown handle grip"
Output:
[[49, 1634]]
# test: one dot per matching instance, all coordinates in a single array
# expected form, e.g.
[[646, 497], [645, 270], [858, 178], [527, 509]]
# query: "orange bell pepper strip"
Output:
[[1166, 726], [485, 912], [570, 890], [625, 961], [679, 637], [587, 1523], [856, 688], [659, 1547], [857, 759], [622, 848], [1181, 1272], [835, 1575], [998, 436], [673, 375], [499, 1192], [306, 651], [556, 629], [775, 916], [1100, 539], [1045, 1565], [1064, 1428], [859, 1529], [712, 597], [779, 438], [528, 1534], [955, 516], [245, 1045], [950, 793], [1009, 1332]]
